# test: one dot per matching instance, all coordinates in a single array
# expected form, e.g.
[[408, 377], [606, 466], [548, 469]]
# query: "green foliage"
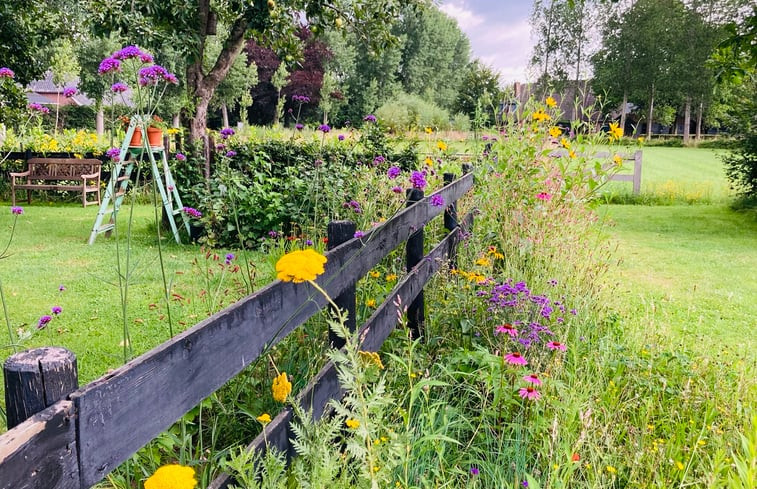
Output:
[[741, 167], [479, 94], [411, 112]]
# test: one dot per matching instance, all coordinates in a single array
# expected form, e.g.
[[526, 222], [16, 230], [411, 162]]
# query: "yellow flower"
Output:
[[172, 477], [429, 130], [484, 262], [172, 130], [617, 160], [572, 153], [281, 387], [352, 423], [391, 277], [441, 145], [375, 274], [565, 143], [640, 140], [615, 131], [679, 465], [555, 131], [264, 418], [541, 116], [551, 102], [612, 469], [299, 266], [370, 303], [701, 443], [428, 161], [371, 357]]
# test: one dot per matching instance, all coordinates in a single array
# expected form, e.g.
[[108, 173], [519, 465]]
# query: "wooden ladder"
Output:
[[120, 177]]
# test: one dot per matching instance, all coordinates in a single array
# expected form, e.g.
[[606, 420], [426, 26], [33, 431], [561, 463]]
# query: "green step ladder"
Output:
[[120, 177]]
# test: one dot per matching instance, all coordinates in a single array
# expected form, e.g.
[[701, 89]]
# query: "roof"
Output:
[[48, 93]]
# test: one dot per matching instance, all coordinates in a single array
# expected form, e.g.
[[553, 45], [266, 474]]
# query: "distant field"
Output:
[[677, 175]]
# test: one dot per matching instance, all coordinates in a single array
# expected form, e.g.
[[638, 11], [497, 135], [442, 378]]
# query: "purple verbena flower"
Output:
[[113, 154], [226, 132], [128, 52], [61, 288], [273, 234], [6, 73], [397, 189], [57, 310], [370, 118], [220, 147], [119, 87], [308, 242], [192, 212], [69, 92], [43, 321], [418, 180], [378, 160], [17, 210], [181, 157], [340, 137], [359, 234], [151, 75], [109, 65], [229, 258], [474, 471], [437, 200], [324, 127], [393, 172], [231, 153], [299, 126], [35, 107]]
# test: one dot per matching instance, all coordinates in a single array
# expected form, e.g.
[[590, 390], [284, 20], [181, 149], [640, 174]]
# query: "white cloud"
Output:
[[466, 19]]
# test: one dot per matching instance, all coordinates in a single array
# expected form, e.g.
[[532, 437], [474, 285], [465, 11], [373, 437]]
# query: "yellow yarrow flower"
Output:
[[281, 387], [615, 131], [371, 357], [299, 266], [555, 131], [172, 477], [441, 145], [551, 102], [264, 418], [617, 160], [352, 423]]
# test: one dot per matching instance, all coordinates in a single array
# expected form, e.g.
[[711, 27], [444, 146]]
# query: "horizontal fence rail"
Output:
[[634, 177], [114, 416]]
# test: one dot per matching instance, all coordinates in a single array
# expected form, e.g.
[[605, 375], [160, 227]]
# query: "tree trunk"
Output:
[[686, 120], [100, 121], [699, 120], [623, 111], [651, 112], [224, 115]]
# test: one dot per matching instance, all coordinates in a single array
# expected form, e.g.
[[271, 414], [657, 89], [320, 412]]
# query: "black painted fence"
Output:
[[76, 441]]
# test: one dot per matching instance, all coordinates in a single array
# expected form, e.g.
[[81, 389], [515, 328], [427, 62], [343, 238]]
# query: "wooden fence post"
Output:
[[416, 311], [36, 379], [637, 172], [450, 222], [339, 232]]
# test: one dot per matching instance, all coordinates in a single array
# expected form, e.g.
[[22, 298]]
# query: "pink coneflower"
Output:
[[506, 328], [532, 378], [556, 345], [515, 358], [543, 196], [529, 393]]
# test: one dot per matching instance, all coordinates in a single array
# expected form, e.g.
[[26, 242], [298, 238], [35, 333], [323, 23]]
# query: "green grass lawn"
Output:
[[685, 175], [689, 272], [50, 249]]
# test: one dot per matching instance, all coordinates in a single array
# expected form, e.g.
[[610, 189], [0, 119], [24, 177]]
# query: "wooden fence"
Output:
[[87, 432], [634, 177]]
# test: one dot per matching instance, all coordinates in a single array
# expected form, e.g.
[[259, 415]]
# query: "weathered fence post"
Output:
[[467, 168], [637, 172], [36, 379], [339, 232], [450, 222], [413, 255]]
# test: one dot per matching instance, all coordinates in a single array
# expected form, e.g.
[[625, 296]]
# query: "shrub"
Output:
[[406, 112]]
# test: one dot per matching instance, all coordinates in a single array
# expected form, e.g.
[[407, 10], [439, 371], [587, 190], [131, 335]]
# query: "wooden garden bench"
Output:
[[73, 174]]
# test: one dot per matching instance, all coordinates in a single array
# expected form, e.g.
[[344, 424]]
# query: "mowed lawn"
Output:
[[688, 272]]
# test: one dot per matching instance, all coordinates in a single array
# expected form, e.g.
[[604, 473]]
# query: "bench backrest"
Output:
[[61, 168]]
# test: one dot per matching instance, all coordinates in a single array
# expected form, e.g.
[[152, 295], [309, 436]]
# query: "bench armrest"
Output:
[[91, 176], [20, 174]]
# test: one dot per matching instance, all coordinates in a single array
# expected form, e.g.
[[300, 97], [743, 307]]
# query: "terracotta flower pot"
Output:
[[136, 139], [155, 136]]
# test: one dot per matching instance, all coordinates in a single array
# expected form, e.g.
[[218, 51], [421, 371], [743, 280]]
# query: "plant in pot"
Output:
[[148, 84]]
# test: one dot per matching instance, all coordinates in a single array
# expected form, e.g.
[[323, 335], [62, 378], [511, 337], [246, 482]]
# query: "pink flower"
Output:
[[515, 358], [532, 378], [6, 72], [543, 196], [556, 345], [506, 328], [69, 92], [529, 393]]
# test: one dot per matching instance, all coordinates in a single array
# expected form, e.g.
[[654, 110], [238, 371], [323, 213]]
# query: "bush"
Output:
[[407, 112], [741, 167]]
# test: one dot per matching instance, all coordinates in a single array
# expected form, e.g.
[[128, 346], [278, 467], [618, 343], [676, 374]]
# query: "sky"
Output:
[[499, 33]]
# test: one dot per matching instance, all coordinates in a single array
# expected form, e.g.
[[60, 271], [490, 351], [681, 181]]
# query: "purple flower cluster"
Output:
[[35, 107], [129, 52], [303, 99], [536, 312], [418, 180], [44, 321], [354, 205], [379, 160], [181, 157], [229, 258], [6, 73], [69, 92], [273, 234], [113, 154], [370, 118], [227, 132], [324, 127], [151, 75], [340, 137], [109, 65], [299, 126], [437, 200], [17, 210], [359, 234], [192, 212], [231, 153], [119, 87], [393, 172]]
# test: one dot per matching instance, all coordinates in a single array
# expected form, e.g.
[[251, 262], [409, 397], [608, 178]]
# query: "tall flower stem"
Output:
[[7, 319], [166, 287]]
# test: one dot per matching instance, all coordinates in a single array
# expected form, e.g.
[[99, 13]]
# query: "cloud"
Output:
[[465, 18]]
